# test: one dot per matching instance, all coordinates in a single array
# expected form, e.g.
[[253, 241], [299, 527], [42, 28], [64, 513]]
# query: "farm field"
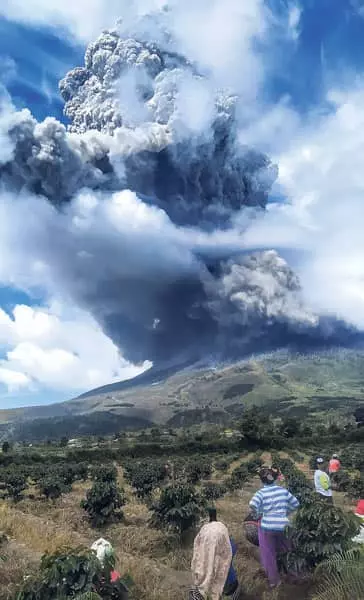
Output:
[[157, 560]]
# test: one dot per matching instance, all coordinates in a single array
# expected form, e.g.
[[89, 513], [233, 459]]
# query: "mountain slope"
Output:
[[281, 383]]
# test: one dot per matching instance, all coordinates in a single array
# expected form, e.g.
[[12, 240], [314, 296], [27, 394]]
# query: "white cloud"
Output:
[[14, 380], [225, 24], [221, 36], [358, 7], [8, 69], [294, 18], [271, 128], [53, 348], [322, 176], [83, 19], [226, 41]]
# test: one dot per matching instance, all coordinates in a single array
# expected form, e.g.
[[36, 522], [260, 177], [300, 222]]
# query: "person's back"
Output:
[[212, 559], [274, 503], [322, 480], [334, 465]]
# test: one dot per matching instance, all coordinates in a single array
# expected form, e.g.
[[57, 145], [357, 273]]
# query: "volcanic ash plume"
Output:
[[145, 187]]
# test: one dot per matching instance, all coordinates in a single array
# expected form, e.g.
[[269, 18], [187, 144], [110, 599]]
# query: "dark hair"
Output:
[[212, 514], [268, 476]]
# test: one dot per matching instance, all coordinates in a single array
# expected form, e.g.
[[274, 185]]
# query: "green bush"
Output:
[[319, 531], [67, 473], [253, 465], [82, 471], [290, 428], [15, 483], [213, 491], [178, 509], [6, 447], [145, 477], [239, 476], [340, 481], [197, 469], [296, 481], [70, 573], [352, 457], [52, 487], [222, 464], [355, 488], [104, 473], [39, 472], [103, 503], [298, 484]]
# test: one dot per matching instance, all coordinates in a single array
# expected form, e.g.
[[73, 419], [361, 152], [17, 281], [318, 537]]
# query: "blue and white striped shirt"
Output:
[[273, 503]]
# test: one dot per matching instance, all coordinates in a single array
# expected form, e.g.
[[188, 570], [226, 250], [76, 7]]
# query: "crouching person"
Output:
[[111, 584]]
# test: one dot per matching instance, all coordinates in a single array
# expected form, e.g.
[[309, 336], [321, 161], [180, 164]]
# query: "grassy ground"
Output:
[[158, 564]]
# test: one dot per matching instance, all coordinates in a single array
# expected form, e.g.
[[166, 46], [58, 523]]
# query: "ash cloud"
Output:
[[133, 209]]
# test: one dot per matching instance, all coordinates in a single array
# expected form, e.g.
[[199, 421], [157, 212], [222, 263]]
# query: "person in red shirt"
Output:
[[334, 464], [359, 512]]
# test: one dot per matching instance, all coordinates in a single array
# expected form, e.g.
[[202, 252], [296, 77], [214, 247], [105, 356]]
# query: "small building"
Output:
[[232, 433], [75, 443]]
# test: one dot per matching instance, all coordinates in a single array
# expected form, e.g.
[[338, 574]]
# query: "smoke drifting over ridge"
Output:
[[138, 209]]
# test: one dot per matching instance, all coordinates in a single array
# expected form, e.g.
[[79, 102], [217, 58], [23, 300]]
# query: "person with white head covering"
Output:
[[106, 555], [103, 550]]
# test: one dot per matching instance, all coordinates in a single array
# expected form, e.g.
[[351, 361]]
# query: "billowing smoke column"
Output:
[[178, 139], [149, 192]]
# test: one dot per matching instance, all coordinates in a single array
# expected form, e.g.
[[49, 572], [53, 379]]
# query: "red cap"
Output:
[[360, 508], [115, 576]]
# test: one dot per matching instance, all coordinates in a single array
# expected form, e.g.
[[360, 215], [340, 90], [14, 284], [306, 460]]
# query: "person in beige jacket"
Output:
[[212, 558]]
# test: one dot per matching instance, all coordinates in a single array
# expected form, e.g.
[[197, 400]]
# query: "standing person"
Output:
[[231, 587], [322, 482], [334, 464], [274, 503], [212, 570], [359, 512]]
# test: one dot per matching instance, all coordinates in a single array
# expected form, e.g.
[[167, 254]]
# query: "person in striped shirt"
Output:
[[273, 504]]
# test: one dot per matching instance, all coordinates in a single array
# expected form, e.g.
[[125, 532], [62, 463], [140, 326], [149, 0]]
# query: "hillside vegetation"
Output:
[[283, 384]]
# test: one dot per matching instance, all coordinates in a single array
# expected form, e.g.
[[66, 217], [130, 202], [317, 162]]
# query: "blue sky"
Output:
[[330, 44], [322, 52], [40, 58], [329, 47]]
